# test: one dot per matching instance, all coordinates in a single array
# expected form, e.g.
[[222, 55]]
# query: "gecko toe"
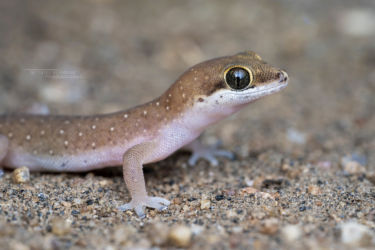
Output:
[[226, 154], [163, 208], [193, 159], [161, 200], [213, 161], [125, 207], [140, 212]]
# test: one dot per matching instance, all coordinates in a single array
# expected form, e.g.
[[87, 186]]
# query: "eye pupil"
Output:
[[238, 78]]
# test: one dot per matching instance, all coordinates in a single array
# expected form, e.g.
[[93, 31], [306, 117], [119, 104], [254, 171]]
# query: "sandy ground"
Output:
[[305, 169]]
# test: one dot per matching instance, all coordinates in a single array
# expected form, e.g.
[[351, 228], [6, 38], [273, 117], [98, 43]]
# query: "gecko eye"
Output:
[[238, 78]]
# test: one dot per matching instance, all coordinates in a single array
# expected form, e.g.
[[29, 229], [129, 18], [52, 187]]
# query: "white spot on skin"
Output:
[[167, 100], [170, 95], [157, 103], [61, 132], [145, 112], [35, 152], [93, 126], [42, 132], [80, 134], [195, 78], [183, 95], [206, 77], [145, 130], [136, 124], [10, 135], [28, 137], [167, 108], [112, 129], [126, 116], [51, 152], [93, 145], [66, 143]]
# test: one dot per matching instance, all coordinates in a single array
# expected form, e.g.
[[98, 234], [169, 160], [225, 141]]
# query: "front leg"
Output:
[[133, 174], [209, 153]]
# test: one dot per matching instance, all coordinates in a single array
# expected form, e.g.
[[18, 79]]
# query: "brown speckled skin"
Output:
[[141, 135]]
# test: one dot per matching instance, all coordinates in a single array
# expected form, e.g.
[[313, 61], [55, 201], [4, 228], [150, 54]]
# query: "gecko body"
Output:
[[204, 94]]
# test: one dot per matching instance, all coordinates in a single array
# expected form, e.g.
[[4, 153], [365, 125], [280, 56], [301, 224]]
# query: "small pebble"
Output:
[[270, 226], [296, 136], [19, 246], [75, 212], [371, 177], [314, 190], [291, 233], [249, 190], [352, 165], [357, 22], [205, 204], [42, 197], [356, 235], [123, 233], [157, 233], [219, 197], [60, 226], [180, 236], [21, 175]]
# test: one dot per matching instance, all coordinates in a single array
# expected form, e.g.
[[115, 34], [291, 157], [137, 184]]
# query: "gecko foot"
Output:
[[139, 204], [208, 153]]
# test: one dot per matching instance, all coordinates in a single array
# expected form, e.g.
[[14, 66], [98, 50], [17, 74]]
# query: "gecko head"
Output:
[[225, 84]]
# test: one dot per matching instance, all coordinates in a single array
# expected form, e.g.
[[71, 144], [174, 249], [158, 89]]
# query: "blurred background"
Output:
[[102, 55], [85, 57]]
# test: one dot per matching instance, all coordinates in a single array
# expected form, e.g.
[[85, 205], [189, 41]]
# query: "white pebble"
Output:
[[180, 236], [355, 234], [291, 233], [21, 175]]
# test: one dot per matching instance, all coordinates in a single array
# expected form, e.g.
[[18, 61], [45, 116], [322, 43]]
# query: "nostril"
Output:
[[283, 76]]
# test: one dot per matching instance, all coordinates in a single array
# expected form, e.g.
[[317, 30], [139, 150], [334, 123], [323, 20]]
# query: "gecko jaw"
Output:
[[261, 91]]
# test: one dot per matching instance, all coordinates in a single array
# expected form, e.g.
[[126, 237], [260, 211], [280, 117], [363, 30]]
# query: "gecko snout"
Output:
[[283, 76]]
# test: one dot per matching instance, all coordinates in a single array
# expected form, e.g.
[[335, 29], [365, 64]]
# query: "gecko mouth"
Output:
[[272, 88]]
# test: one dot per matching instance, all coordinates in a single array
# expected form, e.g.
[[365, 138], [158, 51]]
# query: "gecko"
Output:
[[204, 94]]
